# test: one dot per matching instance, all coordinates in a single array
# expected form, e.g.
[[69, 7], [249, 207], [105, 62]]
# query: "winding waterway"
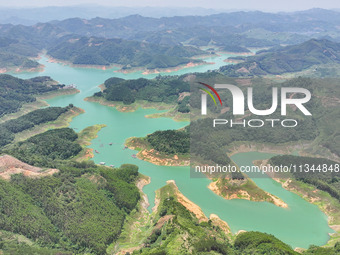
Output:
[[300, 225]]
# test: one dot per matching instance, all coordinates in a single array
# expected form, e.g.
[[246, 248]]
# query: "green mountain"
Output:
[[19, 43], [100, 51], [15, 92], [287, 59], [162, 89]]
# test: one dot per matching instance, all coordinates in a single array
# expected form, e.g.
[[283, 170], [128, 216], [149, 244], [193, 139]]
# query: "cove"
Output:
[[300, 225]]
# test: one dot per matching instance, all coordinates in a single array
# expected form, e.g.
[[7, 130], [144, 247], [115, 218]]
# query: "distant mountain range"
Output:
[[281, 60], [314, 23], [160, 42], [101, 51], [31, 16]]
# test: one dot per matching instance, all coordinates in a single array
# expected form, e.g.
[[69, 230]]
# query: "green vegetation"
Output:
[[14, 54], [100, 51], [178, 231], [162, 89], [80, 209], [14, 244], [323, 251], [43, 148], [15, 92], [243, 188], [235, 48], [9, 128], [324, 174], [287, 59], [20, 215], [321, 129], [261, 243], [208, 143], [170, 141], [10, 61]]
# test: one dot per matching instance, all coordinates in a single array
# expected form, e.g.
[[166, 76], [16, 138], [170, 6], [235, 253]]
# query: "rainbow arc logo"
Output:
[[209, 93]]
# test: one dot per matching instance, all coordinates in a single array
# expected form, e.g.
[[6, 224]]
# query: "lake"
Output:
[[300, 225]]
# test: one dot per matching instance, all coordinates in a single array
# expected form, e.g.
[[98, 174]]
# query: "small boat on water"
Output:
[[96, 151], [125, 147], [102, 163], [134, 156], [110, 143]]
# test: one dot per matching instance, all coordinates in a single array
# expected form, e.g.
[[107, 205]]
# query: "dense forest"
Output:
[[15, 92], [287, 59], [14, 54], [77, 209], [80, 209], [170, 141], [9, 128], [163, 89], [100, 51], [43, 148]]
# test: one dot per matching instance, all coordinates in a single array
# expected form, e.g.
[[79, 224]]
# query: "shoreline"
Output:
[[197, 211], [51, 59], [118, 68], [62, 121], [233, 61], [298, 148], [39, 103], [128, 108], [313, 197], [332, 221], [142, 181], [17, 70], [139, 218], [85, 138], [236, 53], [153, 156], [191, 206], [170, 113], [243, 194]]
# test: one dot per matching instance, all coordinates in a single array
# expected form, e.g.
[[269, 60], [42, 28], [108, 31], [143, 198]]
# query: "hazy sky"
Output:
[[265, 5]]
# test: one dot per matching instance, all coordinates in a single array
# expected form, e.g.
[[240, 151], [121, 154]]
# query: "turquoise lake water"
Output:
[[300, 225]]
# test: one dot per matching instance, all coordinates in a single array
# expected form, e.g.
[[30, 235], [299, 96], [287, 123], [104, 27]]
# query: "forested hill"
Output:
[[227, 31], [281, 60], [315, 20], [19, 43], [100, 51], [15, 92], [80, 209], [163, 89]]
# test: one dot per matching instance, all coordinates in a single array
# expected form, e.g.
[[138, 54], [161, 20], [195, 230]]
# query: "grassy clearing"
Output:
[[84, 139], [88, 134], [138, 225]]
